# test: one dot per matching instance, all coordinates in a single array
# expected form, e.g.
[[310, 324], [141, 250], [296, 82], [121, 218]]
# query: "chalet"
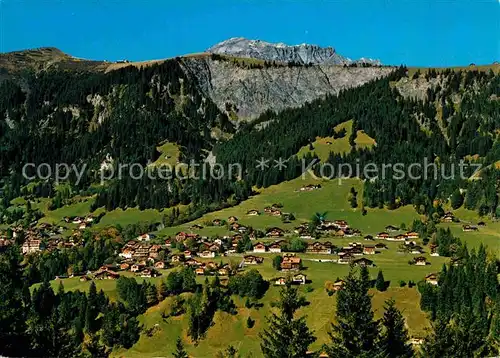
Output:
[[182, 236], [381, 246], [223, 271], [253, 212], [299, 279], [355, 250], [177, 258], [363, 262], [345, 258], [89, 219], [154, 251], [268, 210], [196, 227], [448, 218], [369, 250], [416, 250], [276, 212], [481, 224], [352, 232], [82, 226], [338, 285], [310, 187], [149, 273], [276, 206], [84, 278], [259, 247], [142, 252], [207, 254], [193, 262], [232, 219], [188, 254], [420, 261], [432, 278], [77, 220], [199, 271], [291, 263], [274, 232], [160, 265], [469, 228], [211, 265], [31, 246], [412, 235], [400, 237], [319, 248], [341, 224], [137, 267], [106, 275], [242, 229], [144, 237], [124, 266], [280, 281], [306, 236], [253, 260], [382, 236], [369, 238], [234, 226], [416, 341], [214, 247], [434, 250], [276, 246], [217, 222], [391, 228]]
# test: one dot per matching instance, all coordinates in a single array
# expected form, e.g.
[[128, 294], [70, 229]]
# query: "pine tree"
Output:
[[151, 295], [355, 333], [380, 283], [286, 337], [394, 337], [179, 349], [494, 337]]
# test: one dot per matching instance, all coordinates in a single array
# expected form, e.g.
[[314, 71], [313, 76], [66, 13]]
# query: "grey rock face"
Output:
[[304, 54], [252, 91]]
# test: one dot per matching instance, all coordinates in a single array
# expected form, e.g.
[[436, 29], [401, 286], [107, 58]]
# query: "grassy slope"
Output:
[[232, 330], [331, 198], [228, 329], [341, 145], [169, 154]]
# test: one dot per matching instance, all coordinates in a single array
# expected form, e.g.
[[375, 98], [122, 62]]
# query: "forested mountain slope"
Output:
[[86, 117]]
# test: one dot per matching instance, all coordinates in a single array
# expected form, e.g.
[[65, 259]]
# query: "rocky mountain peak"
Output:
[[280, 52]]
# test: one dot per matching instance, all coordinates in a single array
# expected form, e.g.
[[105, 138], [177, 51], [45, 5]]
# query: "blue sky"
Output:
[[414, 32]]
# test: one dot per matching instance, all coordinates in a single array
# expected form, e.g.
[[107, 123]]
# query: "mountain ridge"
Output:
[[281, 52]]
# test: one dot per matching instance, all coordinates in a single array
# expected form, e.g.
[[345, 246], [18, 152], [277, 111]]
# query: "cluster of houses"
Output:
[[82, 222], [37, 239], [298, 279], [338, 228], [347, 255], [411, 235], [142, 258]]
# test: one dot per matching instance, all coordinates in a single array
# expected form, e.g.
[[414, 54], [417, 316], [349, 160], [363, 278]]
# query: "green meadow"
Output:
[[324, 145]]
